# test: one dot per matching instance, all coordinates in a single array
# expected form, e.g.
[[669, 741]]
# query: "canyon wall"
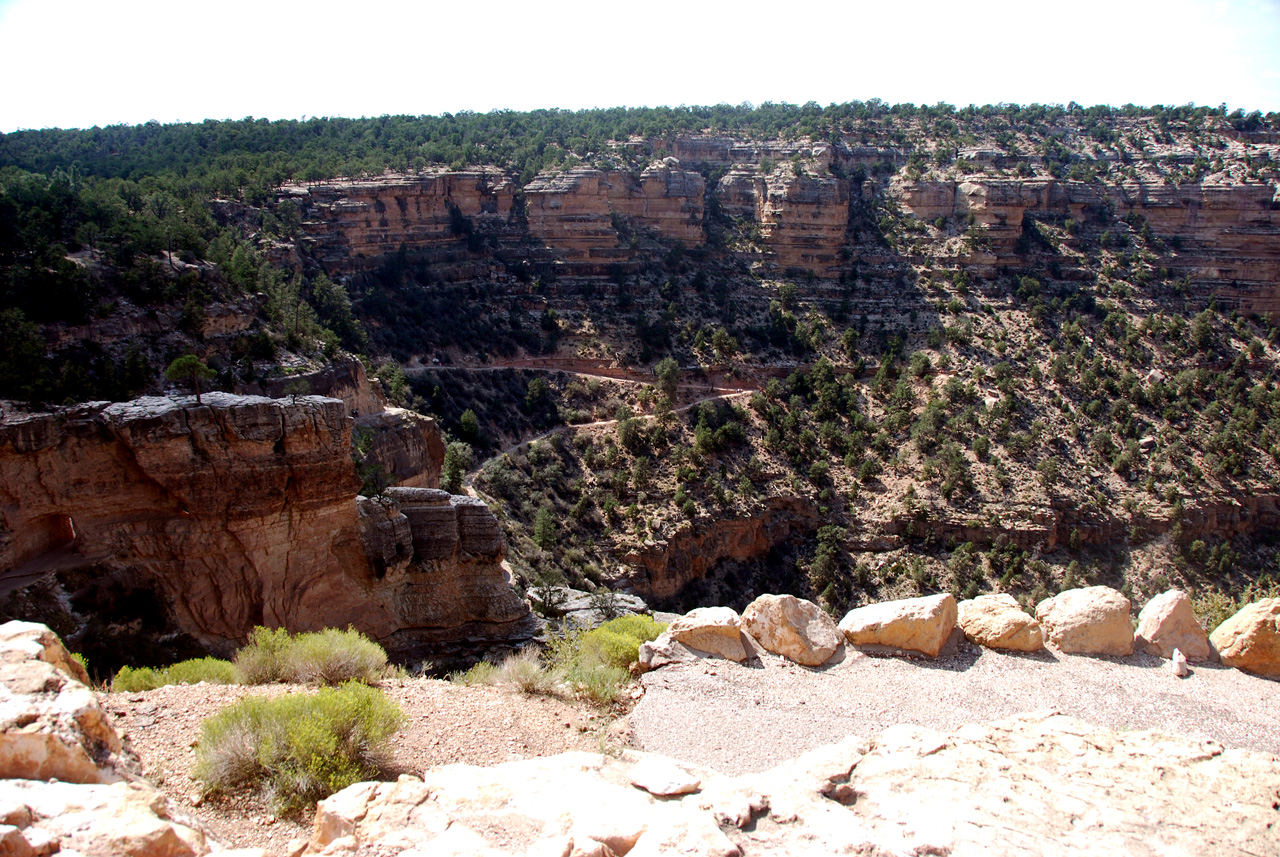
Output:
[[1224, 237], [237, 512], [661, 570]]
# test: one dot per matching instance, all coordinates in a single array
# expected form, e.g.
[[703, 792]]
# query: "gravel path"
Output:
[[744, 718]]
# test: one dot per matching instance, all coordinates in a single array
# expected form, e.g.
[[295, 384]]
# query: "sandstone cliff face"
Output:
[[406, 445], [803, 219], [238, 512], [1229, 234], [343, 379], [576, 212], [355, 224], [662, 570]]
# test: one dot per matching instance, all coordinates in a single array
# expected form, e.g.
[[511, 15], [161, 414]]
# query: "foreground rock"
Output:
[[1168, 622], [1250, 640], [998, 622], [62, 767], [714, 630], [915, 624], [51, 726], [792, 627], [911, 791], [1089, 621]]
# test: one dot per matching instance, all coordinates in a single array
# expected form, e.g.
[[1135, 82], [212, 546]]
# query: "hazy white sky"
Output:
[[78, 63]]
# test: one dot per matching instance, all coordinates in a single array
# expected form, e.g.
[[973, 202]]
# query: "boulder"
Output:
[[51, 726], [24, 641], [1250, 640], [715, 630], [998, 622], [1168, 622], [792, 627], [663, 651], [1089, 621], [916, 624]]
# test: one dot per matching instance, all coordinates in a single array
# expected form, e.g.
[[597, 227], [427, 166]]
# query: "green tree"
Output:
[[469, 426], [544, 528], [191, 368], [668, 372], [457, 461]]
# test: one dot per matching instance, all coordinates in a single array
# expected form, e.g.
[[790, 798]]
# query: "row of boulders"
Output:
[[1094, 620], [68, 785]]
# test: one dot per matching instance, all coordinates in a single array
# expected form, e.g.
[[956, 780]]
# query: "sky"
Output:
[[79, 63]]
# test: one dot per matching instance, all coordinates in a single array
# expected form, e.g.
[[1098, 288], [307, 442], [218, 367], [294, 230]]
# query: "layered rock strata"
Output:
[[237, 512], [660, 570], [350, 225]]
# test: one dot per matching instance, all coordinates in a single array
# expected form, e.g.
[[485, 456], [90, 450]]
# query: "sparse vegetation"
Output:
[[300, 748]]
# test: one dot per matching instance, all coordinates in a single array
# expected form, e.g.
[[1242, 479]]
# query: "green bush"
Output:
[[324, 657], [300, 748], [211, 670], [597, 663]]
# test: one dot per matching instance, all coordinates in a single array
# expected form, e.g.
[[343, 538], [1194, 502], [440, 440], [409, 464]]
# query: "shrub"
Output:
[[301, 747], [211, 670], [325, 657], [597, 663]]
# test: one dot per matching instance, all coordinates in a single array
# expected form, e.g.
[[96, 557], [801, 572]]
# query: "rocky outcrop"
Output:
[[802, 218], [1168, 623], [662, 569], [233, 513], [51, 726], [405, 446], [1250, 640], [66, 784], [1089, 621], [998, 622], [915, 624], [583, 213], [792, 627], [448, 582], [908, 791], [1227, 233], [356, 224], [343, 379]]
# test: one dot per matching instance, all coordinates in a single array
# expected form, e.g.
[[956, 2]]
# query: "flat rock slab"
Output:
[[909, 790], [738, 718]]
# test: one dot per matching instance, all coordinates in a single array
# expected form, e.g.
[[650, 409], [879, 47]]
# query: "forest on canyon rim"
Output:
[[896, 349]]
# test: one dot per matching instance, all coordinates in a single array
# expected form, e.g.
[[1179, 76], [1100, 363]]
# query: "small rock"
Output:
[[662, 777], [1180, 664]]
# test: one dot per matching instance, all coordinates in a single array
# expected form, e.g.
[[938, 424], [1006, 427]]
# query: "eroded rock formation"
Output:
[[238, 512], [660, 570]]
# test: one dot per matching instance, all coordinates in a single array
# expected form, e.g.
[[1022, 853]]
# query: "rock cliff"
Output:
[[237, 512], [660, 570]]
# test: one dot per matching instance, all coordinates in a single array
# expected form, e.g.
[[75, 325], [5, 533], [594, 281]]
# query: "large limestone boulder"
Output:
[[908, 791], [51, 726], [1168, 622], [715, 630], [998, 622], [916, 624], [25, 641], [1250, 640], [1089, 621], [792, 627]]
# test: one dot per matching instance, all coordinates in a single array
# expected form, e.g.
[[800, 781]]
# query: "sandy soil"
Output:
[[447, 723]]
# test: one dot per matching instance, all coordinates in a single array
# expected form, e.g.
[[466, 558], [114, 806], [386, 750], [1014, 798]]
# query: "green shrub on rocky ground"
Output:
[[323, 657], [300, 748], [593, 665], [211, 670]]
